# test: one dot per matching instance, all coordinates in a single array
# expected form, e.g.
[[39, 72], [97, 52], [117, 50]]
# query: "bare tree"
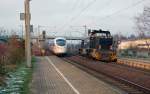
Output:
[[143, 25]]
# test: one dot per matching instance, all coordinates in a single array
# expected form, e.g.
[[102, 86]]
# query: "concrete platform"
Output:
[[55, 76]]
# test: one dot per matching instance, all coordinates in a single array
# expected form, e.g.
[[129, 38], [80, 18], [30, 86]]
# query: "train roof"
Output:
[[100, 31], [60, 38]]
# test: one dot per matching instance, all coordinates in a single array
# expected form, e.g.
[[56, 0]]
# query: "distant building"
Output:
[[134, 43], [135, 48]]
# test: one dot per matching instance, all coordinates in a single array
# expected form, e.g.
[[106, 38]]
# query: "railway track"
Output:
[[129, 79]]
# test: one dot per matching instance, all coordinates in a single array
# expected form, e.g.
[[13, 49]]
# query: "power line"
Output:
[[74, 17], [89, 5], [75, 5], [73, 9], [92, 2], [123, 9], [85, 8]]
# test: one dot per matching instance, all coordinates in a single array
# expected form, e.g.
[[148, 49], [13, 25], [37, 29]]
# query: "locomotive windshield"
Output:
[[61, 42]]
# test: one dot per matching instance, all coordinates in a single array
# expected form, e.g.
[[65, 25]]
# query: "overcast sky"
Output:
[[71, 15]]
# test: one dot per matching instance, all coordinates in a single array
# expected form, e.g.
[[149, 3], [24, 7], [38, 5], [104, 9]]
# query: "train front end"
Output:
[[60, 47], [100, 46]]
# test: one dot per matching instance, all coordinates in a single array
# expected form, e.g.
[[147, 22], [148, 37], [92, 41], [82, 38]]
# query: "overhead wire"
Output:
[[123, 9], [85, 8], [91, 3], [82, 10], [106, 4], [75, 4]]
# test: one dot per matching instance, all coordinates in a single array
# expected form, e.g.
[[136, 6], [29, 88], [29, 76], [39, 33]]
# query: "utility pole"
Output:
[[27, 34]]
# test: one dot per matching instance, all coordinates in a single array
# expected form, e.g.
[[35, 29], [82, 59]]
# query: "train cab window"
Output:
[[61, 42]]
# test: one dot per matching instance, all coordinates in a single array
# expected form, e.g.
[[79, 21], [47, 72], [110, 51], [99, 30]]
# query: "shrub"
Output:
[[15, 51], [3, 57], [11, 53]]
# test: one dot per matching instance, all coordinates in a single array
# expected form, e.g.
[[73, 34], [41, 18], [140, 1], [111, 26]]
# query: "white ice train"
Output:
[[58, 46]]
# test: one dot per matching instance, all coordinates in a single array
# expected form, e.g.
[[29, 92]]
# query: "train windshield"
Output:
[[61, 42]]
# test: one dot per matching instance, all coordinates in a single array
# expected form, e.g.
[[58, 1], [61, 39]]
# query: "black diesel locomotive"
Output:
[[99, 45]]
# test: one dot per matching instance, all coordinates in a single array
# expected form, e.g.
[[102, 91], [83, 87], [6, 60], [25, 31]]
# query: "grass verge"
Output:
[[28, 79], [18, 81]]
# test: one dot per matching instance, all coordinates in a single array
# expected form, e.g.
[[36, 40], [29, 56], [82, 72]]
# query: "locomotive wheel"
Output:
[[115, 60]]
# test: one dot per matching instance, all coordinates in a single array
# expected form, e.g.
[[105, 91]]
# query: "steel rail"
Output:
[[130, 83]]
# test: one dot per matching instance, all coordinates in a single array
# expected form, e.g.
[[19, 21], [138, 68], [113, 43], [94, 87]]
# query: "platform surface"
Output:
[[52, 75]]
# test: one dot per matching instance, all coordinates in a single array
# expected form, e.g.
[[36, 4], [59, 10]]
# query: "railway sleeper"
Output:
[[127, 88]]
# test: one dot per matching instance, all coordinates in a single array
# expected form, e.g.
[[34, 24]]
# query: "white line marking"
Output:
[[73, 88]]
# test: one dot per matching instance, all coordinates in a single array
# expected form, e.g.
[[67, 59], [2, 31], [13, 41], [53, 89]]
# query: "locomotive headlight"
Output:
[[99, 47], [111, 47]]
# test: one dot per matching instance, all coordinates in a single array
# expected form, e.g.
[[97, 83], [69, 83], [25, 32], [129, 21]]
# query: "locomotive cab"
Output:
[[101, 46]]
